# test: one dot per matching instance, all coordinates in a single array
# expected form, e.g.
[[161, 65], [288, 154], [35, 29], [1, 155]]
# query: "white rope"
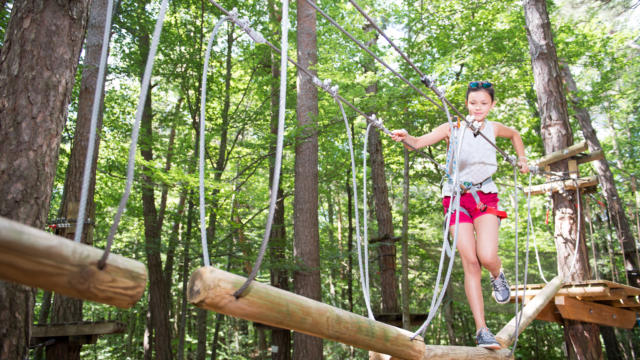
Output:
[[575, 251], [97, 96], [146, 80], [526, 267], [364, 207], [282, 108], [364, 277], [535, 245], [201, 146], [454, 202]]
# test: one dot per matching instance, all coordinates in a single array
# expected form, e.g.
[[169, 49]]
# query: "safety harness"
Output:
[[472, 188]]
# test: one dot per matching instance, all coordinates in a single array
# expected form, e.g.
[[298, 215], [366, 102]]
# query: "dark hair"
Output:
[[475, 86]]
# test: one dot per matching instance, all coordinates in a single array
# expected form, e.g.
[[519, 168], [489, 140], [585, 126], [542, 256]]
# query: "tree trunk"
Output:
[[185, 280], [349, 240], [158, 302], [582, 339], [387, 247], [37, 72], [67, 309], [280, 338], [615, 206], [406, 292], [306, 245]]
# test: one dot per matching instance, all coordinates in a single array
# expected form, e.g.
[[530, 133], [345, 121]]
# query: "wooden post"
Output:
[[36, 258], [507, 335], [212, 289]]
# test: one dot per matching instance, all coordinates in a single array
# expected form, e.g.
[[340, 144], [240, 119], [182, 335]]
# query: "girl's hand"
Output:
[[399, 135], [522, 164]]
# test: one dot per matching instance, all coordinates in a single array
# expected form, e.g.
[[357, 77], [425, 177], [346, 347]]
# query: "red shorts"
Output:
[[469, 203]]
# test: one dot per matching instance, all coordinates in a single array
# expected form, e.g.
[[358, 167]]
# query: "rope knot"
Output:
[[244, 23], [326, 86]]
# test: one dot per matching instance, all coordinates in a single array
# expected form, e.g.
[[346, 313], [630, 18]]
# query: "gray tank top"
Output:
[[477, 160]]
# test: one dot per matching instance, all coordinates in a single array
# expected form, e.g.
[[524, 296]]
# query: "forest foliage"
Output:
[[453, 41]]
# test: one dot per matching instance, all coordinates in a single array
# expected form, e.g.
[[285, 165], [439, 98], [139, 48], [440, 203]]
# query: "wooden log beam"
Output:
[[560, 185], [598, 155], [97, 328], [212, 289], [562, 154], [39, 259], [573, 309], [507, 335]]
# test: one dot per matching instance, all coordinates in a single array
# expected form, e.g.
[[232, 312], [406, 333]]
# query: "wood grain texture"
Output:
[[212, 289], [508, 334], [39, 259]]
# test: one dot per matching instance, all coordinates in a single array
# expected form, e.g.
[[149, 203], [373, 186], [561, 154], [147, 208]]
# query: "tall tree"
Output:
[[37, 73], [280, 338], [605, 177], [306, 244], [67, 309], [385, 239], [582, 339]]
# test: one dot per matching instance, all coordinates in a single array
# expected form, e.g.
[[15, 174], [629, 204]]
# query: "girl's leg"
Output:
[[472, 272], [487, 243]]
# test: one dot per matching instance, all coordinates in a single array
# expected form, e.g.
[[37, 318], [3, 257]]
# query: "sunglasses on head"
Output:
[[479, 84]]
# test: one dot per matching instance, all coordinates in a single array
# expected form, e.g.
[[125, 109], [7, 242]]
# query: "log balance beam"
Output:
[[508, 334], [39, 259], [212, 289]]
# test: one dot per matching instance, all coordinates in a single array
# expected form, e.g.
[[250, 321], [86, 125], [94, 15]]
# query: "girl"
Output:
[[479, 217]]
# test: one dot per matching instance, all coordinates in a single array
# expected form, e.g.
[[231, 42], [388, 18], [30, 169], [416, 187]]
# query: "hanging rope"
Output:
[[201, 146], [282, 108], [93, 128], [519, 312], [146, 80], [454, 203]]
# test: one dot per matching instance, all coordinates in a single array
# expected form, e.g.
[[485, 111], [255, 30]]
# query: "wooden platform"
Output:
[[597, 301], [79, 333]]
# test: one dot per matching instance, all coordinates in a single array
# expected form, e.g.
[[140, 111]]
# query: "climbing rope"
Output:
[[201, 141], [282, 108], [454, 203], [146, 80]]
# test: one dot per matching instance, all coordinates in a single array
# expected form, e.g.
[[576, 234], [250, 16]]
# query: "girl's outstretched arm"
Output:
[[516, 140], [411, 142]]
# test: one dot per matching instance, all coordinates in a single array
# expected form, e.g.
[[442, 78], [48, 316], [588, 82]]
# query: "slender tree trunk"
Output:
[[158, 303], [387, 247], [185, 280], [605, 177], [350, 241], [280, 338], [582, 339], [37, 72], [65, 309], [406, 292], [306, 245]]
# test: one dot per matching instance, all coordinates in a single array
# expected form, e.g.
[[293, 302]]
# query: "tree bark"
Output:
[[37, 73], [66, 309], [280, 338], [406, 313], [306, 245], [185, 279], [582, 339], [614, 203], [387, 247], [158, 303]]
